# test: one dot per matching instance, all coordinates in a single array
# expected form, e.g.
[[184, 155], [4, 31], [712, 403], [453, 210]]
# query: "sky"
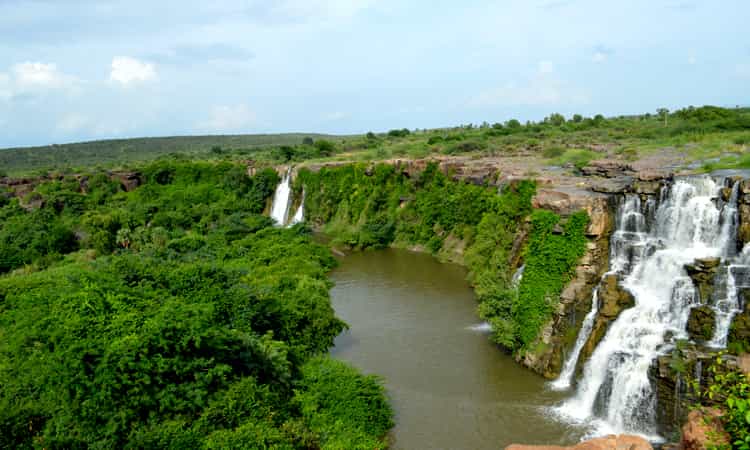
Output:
[[74, 70]]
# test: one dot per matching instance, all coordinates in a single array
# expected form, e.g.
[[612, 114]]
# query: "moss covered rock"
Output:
[[703, 272], [701, 323], [738, 340]]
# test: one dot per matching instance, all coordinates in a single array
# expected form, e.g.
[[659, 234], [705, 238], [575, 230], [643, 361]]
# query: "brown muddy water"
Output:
[[413, 321]]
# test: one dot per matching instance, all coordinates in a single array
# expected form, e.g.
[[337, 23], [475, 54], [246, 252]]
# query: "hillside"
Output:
[[114, 152], [703, 138]]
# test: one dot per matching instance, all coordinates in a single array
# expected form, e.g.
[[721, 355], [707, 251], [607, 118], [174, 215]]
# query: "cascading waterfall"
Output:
[[517, 276], [299, 215], [282, 199], [727, 305], [565, 379], [652, 243]]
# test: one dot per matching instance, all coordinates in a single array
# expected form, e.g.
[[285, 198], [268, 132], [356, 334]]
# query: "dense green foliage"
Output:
[[175, 317], [729, 390], [376, 206], [550, 261]]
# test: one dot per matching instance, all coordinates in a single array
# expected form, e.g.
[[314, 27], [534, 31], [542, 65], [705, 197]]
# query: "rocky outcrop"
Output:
[[607, 168], [611, 442], [674, 378], [738, 339], [704, 430], [23, 188], [703, 271], [701, 323], [613, 299], [128, 180], [743, 232]]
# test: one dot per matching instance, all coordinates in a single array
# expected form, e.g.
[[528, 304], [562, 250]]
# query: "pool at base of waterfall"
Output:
[[413, 321]]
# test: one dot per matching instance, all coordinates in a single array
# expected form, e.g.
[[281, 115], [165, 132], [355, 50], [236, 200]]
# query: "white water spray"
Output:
[[282, 199], [565, 380], [299, 215], [652, 244]]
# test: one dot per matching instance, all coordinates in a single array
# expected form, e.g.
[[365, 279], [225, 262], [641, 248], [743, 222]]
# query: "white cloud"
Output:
[[127, 70], [546, 67], [37, 74], [743, 70], [691, 60], [227, 118], [72, 122], [599, 57], [34, 77]]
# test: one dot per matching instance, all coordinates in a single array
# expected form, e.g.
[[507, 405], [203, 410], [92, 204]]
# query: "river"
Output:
[[413, 321]]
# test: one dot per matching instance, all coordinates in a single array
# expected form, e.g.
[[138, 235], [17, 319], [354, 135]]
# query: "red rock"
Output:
[[611, 442], [703, 430]]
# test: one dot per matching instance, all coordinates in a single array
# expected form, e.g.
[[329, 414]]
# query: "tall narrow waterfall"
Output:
[[282, 199], [653, 241], [565, 379], [299, 215]]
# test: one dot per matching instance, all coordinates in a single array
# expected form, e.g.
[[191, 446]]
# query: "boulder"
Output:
[[703, 430], [611, 442], [703, 271], [128, 180], [613, 299], [701, 323]]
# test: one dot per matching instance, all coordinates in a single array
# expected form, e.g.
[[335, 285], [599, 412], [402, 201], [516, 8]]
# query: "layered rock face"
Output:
[[549, 350]]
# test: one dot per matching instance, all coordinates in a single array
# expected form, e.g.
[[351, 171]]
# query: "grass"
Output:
[[576, 156]]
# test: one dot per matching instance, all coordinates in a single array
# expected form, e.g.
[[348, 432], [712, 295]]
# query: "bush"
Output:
[[553, 152]]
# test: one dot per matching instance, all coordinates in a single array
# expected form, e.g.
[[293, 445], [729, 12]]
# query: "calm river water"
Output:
[[413, 322]]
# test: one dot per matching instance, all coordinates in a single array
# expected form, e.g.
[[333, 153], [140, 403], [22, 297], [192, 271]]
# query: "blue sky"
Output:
[[74, 70]]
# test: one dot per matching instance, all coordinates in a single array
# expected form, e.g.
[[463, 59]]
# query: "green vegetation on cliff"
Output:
[[172, 316], [362, 206]]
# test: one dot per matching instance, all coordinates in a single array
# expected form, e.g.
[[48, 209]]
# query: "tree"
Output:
[[307, 141], [664, 112], [577, 118], [326, 148], [371, 136], [513, 124], [555, 119]]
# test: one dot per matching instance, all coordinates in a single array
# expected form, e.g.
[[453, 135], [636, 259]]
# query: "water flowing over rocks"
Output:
[[656, 237], [612, 442]]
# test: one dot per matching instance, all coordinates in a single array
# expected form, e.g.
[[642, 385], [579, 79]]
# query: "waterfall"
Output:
[[565, 379], [518, 276], [282, 199], [299, 215], [726, 306], [652, 243]]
